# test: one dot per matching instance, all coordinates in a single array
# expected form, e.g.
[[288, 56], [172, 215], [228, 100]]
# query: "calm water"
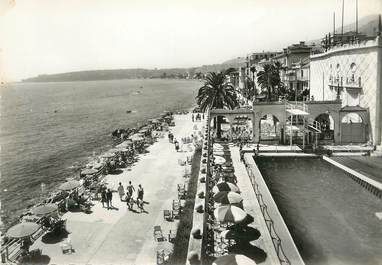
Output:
[[49, 129], [331, 217]]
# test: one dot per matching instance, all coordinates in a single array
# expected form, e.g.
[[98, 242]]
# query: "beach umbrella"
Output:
[[89, 171], [245, 233], [219, 160], [225, 186], [218, 153], [233, 259], [23, 230], [136, 137], [69, 185], [108, 155], [229, 214], [217, 145], [227, 197], [45, 209]]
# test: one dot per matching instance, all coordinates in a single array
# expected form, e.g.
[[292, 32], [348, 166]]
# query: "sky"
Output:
[[54, 36]]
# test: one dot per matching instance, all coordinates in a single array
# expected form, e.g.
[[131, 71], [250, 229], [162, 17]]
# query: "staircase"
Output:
[[313, 126]]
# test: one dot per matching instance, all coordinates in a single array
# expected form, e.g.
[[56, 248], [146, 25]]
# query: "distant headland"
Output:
[[137, 73]]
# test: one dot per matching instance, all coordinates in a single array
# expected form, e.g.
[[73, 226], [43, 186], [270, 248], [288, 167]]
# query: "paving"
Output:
[[120, 236]]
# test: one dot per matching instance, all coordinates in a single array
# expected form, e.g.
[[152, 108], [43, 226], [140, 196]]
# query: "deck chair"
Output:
[[158, 234], [176, 204], [167, 215], [162, 257], [67, 247], [171, 236]]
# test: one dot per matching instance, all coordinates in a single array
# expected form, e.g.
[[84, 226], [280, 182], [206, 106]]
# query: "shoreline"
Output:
[[119, 236], [6, 221]]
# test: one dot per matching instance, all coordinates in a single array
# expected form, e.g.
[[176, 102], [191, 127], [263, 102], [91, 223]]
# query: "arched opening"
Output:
[[269, 128], [242, 129], [327, 126], [221, 127], [353, 128]]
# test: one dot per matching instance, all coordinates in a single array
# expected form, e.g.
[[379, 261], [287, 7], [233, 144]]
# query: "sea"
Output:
[[48, 131]]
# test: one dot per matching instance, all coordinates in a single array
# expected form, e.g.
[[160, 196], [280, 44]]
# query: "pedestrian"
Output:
[[121, 191], [103, 197], [109, 198], [177, 146], [130, 189], [192, 117], [140, 192], [128, 200], [203, 115]]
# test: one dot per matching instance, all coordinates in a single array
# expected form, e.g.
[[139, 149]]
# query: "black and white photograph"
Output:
[[191, 132]]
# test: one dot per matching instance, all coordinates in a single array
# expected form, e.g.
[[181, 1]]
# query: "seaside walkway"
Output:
[[120, 236]]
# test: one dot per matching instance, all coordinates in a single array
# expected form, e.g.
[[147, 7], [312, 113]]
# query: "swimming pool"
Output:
[[330, 217]]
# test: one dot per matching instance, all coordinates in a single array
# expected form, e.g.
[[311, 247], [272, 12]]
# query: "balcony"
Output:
[[350, 83]]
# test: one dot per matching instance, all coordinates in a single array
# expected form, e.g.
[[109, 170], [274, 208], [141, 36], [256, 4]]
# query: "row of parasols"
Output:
[[26, 229], [230, 211]]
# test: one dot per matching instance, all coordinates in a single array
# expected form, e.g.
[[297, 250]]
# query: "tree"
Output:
[[217, 93], [269, 79]]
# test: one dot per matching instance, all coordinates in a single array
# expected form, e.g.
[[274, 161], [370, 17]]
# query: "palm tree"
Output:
[[217, 93], [268, 79]]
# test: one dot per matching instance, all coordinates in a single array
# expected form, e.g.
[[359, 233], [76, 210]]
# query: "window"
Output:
[[353, 67]]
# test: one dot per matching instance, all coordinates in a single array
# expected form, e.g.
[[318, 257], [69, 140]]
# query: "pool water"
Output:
[[330, 217]]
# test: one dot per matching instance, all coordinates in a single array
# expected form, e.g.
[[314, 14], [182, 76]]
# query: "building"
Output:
[[253, 60], [352, 73]]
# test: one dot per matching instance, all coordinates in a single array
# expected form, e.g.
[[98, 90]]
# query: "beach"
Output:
[[120, 236], [48, 131]]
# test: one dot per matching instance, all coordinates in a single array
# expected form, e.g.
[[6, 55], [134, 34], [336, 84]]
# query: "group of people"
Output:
[[130, 189], [107, 197]]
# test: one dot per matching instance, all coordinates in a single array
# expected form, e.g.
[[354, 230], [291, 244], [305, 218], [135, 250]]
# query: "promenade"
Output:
[[120, 236]]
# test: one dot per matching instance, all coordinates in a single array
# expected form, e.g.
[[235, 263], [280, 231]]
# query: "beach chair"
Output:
[[167, 215], [176, 208], [158, 234], [171, 236], [162, 257], [67, 247]]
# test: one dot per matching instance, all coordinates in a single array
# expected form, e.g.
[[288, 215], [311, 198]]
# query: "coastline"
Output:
[[120, 226], [62, 154]]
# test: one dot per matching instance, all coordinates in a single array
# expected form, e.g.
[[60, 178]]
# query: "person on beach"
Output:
[[128, 200], [103, 197], [130, 189], [140, 192], [121, 191], [177, 146], [109, 198]]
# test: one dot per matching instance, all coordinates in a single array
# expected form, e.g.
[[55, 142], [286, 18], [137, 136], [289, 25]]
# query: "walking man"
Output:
[[121, 191], [109, 198], [103, 197], [130, 189], [140, 198]]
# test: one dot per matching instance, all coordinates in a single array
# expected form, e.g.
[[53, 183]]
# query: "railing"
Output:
[[315, 125], [296, 105], [268, 221]]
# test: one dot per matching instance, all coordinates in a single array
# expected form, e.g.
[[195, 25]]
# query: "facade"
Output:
[[295, 63], [253, 60], [352, 73]]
